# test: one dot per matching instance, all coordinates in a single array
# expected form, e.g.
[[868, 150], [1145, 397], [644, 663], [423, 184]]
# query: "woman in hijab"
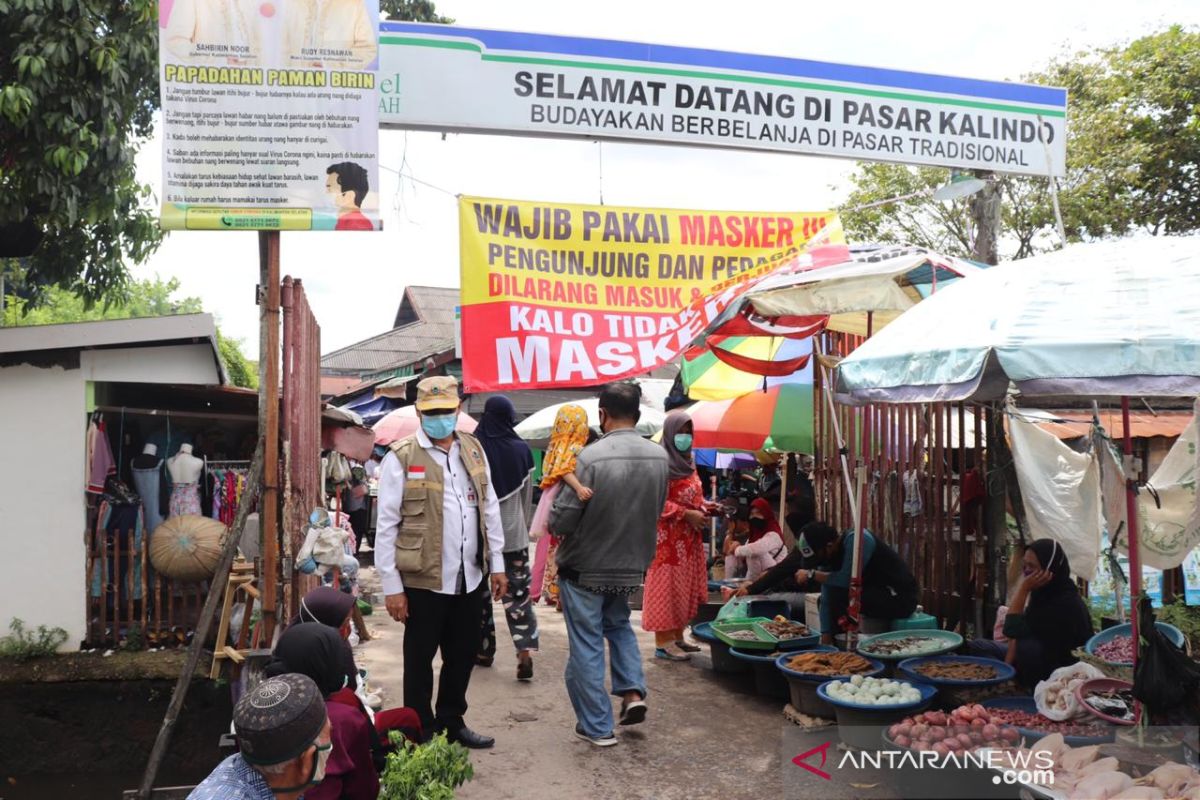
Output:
[[1047, 618], [511, 464], [677, 581], [332, 608], [764, 547], [313, 649]]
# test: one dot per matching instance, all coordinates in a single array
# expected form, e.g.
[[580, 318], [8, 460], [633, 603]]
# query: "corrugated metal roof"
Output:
[[1142, 424], [427, 314]]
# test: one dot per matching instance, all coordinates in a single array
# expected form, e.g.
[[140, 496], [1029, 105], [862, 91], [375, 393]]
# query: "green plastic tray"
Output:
[[761, 640]]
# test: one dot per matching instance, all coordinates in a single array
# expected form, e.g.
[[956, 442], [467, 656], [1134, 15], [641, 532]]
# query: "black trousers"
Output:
[[450, 623], [877, 601]]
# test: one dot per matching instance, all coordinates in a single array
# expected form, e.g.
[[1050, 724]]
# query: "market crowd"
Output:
[[615, 512]]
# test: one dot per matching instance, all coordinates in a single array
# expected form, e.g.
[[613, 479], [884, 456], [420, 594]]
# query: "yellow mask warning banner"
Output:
[[557, 295]]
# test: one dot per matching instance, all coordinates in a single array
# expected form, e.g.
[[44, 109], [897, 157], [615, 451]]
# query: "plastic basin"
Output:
[[768, 681], [863, 726], [722, 660], [1030, 705], [1105, 685], [781, 663], [949, 640], [704, 632], [1172, 633], [726, 627], [907, 669]]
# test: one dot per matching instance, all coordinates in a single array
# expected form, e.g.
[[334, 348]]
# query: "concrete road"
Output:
[[706, 736]]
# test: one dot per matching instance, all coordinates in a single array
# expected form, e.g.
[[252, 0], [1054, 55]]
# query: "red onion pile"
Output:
[[1118, 650], [966, 728], [1036, 722]]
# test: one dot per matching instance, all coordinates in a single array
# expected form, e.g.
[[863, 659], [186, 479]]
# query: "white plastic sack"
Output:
[[1055, 696], [1061, 493], [1168, 533]]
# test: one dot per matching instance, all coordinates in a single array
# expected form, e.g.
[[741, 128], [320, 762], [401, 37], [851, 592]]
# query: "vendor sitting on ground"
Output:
[[284, 743], [762, 549], [823, 558], [1046, 620]]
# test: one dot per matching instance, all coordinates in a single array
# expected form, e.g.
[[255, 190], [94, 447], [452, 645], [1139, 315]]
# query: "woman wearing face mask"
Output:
[[1046, 620], [763, 549], [313, 649], [677, 581]]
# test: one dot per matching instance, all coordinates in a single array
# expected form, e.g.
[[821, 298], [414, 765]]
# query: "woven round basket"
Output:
[[187, 548]]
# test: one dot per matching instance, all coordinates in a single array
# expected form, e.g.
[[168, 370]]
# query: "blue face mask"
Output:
[[439, 426], [683, 442]]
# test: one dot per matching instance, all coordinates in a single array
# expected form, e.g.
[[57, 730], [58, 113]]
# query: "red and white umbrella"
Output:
[[404, 422]]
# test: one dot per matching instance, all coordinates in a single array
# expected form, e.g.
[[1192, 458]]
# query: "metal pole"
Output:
[[712, 522], [268, 423], [1135, 567]]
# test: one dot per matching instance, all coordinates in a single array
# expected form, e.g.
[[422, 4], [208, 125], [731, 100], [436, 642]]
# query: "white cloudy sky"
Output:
[[354, 282]]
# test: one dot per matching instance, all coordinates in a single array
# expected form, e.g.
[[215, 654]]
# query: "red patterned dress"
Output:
[[677, 581]]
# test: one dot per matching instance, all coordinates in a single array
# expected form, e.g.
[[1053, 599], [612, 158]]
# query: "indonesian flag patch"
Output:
[[416, 473]]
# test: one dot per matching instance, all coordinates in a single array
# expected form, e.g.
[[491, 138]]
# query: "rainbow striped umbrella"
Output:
[[708, 377], [781, 418]]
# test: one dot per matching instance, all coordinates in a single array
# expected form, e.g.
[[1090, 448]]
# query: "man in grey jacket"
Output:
[[606, 545]]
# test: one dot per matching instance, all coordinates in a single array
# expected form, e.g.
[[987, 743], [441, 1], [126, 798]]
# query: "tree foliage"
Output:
[[78, 88], [1133, 160], [412, 11], [142, 298]]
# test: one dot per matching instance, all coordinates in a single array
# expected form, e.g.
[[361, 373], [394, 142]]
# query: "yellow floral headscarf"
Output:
[[569, 436]]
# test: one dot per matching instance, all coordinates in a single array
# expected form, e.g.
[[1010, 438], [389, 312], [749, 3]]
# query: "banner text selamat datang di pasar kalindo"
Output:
[[559, 295]]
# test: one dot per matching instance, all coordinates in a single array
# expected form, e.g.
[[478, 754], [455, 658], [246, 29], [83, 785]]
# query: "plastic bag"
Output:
[[541, 515], [736, 608], [1055, 696], [1165, 678]]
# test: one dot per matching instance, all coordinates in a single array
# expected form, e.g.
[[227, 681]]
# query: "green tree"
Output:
[[412, 11], [78, 89], [1133, 160], [78, 92], [143, 298]]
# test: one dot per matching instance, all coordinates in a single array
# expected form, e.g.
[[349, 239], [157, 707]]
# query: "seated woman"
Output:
[[332, 608], [763, 549], [315, 650], [1046, 620]]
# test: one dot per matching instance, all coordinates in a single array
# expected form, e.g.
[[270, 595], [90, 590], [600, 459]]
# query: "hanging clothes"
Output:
[[146, 481], [101, 463]]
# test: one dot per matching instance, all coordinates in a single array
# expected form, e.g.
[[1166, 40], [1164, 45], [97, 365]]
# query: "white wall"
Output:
[[42, 514], [185, 364]]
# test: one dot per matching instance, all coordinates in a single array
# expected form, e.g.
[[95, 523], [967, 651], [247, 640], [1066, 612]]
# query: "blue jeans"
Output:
[[591, 618]]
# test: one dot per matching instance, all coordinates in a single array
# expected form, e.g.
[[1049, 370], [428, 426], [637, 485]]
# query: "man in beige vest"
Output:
[[439, 538]]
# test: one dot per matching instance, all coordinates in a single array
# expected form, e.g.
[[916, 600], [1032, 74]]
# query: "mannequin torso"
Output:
[[184, 467]]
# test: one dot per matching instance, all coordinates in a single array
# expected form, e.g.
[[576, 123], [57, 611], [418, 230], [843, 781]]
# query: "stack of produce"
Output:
[[1117, 650], [831, 664], [956, 670], [1080, 774], [873, 691], [965, 728], [1043, 724]]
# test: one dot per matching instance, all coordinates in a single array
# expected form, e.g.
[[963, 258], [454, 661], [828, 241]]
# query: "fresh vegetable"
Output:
[[1118, 649], [956, 670], [430, 771], [874, 691], [830, 664], [953, 732], [1037, 722]]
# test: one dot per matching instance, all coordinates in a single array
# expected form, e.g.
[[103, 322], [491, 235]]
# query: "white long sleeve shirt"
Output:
[[460, 521]]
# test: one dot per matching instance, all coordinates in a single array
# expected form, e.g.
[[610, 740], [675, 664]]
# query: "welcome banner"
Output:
[[558, 295]]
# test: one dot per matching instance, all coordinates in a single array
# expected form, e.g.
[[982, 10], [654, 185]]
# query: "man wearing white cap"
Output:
[[439, 540]]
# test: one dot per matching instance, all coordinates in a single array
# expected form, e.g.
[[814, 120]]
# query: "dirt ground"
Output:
[[707, 735]]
